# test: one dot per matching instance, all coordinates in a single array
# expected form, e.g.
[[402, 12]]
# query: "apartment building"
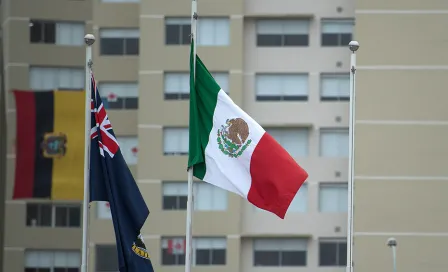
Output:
[[286, 64]]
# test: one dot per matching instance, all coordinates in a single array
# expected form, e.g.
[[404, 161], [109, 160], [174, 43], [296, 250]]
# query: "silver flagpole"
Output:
[[392, 243], [190, 197], [353, 46], [89, 39]]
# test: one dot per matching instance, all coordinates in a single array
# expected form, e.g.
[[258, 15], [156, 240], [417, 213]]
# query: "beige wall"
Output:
[[401, 133]]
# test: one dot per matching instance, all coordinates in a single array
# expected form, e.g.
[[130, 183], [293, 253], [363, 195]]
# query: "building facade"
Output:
[[286, 64], [401, 127]]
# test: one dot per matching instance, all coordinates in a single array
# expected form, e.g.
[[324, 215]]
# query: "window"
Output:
[[207, 197], [334, 142], [119, 41], [119, 96], [298, 204], [209, 251], [334, 87], [281, 87], [277, 33], [333, 197], [300, 201], [173, 251], [120, 1], [294, 140], [129, 148], [336, 32], [47, 215], [206, 251], [177, 85], [214, 32], [106, 258], [60, 33], [222, 78], [46, 78], [175, 141], [52, 261], [177, 31], [280, 252], [42, 31], [332, 252]]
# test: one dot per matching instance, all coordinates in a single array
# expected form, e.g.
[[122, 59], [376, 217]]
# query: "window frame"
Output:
[[340, 97], [51, 255], [53, 216], [338, 261], [339, 36], [336, 131], [177, 152], [282, 37], [43, 31], [280, 79], [279, 247], [182, 197], [126, 35], [122, 101], [183, 24], [329, 185], [123, 142]]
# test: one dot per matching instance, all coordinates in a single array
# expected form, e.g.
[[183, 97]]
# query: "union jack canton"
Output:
[[101, 123]]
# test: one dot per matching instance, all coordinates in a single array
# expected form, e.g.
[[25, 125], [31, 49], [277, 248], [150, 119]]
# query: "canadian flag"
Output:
[[176, 246], [112, 97]]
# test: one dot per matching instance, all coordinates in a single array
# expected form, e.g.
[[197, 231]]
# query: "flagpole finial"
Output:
[[89, 39]]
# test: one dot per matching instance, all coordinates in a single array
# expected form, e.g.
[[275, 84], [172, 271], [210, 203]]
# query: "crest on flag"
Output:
[[102, 125], [139, 248], [233, 137], [54, 145]]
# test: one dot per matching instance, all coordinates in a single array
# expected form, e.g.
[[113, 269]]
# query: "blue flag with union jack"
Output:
[[111, 181]]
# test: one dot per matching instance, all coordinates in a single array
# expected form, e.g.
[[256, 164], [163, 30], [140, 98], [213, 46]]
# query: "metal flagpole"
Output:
[[190, 196], [353, 46], [89, 39], [392, 243]]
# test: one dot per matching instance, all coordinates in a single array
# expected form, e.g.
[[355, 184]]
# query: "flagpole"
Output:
[[89, 39], [353, 46], [190, 196]]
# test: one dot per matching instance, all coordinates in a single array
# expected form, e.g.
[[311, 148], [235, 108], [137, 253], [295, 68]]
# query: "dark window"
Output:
[[68, 216], [341, 39], [106, 258], [336, 32], [279, 258], [175, 202], [64, 269], [279, 40], [177, 33], [38, 215], [332, 253], [279, 252], [210, 256], [42, 31], [30, 269], [117, 46], [177, 96], [129, 103], [282, 98]]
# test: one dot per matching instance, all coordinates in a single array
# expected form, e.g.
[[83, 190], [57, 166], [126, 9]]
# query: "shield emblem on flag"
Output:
[[54, 145]]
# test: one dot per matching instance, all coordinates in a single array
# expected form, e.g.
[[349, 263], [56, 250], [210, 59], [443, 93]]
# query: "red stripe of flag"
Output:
[[25, 149]]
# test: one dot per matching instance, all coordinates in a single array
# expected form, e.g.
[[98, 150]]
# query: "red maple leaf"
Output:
[[112, 96], [134, 150]]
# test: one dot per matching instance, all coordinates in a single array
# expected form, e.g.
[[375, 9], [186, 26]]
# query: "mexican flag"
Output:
[[230, 150]]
